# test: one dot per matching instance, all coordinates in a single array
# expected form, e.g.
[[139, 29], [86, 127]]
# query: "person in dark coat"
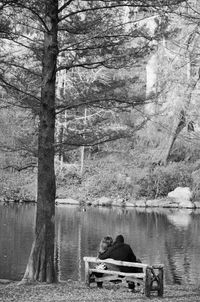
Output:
[[121, 251]]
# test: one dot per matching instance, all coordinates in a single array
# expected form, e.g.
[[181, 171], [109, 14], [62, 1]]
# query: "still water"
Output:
[[166, 236]]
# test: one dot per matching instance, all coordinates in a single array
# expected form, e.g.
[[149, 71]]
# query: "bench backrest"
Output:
[[122, 263], [115, 262]]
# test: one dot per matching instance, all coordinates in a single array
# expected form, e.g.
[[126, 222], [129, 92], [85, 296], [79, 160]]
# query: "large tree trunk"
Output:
[[41, 261]]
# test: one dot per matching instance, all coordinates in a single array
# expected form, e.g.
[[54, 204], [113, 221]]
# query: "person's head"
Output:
[[105, 243], [119, 239]]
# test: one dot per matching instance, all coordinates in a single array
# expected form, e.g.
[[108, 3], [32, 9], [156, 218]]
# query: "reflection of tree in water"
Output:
[[172, 265], [79, 250], [68, 241], [58, 249], [182, 245], [186, 265], [16, 235]]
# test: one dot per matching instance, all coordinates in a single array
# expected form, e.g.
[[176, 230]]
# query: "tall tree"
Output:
[[41, 262]]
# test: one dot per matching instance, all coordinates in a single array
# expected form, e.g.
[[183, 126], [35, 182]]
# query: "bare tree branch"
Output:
[[21, 168], [64, 6]]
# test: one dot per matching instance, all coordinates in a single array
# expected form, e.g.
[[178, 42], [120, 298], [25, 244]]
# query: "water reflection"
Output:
[[156, 236], [16, 236], [181, 218]]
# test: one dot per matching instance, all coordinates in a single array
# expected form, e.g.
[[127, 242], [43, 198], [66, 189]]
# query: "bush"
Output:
[[124, 176], [196, 184], [158, 182], [68, 175], [108, 184], [18, 186]]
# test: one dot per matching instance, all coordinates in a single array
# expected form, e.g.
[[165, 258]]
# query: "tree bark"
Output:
[[41, 261], [180, 123]]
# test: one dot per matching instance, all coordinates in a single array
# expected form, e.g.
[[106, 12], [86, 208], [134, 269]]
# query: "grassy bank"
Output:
[[76, 291], [115, 176], [124, 175]]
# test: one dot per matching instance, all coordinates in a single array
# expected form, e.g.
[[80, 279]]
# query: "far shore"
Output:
[[142, 203], [163, 203]]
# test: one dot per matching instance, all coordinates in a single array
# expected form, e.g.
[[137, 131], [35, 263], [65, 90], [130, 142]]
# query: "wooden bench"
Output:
[[151, 277]]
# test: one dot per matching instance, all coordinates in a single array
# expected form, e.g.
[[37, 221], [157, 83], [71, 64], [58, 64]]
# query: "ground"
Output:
[[77, 291]]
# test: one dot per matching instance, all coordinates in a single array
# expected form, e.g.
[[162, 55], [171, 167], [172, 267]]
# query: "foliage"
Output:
[[103, 176], [118, 171], [18, 187], [159, 181], [196, 182]]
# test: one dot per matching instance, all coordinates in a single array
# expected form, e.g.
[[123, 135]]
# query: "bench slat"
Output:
[[135, 275], [108, 278], [157, 266], [115, 262], [116, 278]]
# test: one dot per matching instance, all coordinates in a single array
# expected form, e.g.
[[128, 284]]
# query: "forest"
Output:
[[130, 130], [98, 99]]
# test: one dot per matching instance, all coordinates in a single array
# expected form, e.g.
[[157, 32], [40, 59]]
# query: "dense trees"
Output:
[[50, 38], [178, 79]]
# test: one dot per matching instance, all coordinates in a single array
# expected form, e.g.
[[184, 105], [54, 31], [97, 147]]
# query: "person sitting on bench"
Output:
[[121, 251], [105, 243]]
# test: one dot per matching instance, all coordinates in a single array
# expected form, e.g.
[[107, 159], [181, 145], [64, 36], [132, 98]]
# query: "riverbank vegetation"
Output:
[[126, 174], [116, 171]]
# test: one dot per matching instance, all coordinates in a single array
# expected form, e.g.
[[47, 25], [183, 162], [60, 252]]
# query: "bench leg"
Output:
[[160, 283], [148, 282], [87, 274], [100, 283]]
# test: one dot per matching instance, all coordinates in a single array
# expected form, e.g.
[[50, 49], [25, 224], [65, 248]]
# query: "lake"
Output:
[[163, 236]]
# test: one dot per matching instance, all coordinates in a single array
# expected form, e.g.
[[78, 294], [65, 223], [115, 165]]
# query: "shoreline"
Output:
[[162, 203]]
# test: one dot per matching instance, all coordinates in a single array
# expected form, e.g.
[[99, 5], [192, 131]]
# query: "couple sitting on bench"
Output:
[[117, 250]]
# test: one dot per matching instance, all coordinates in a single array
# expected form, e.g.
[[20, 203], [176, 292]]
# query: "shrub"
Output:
[[158, 182], [18, 186], [196, 185]]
